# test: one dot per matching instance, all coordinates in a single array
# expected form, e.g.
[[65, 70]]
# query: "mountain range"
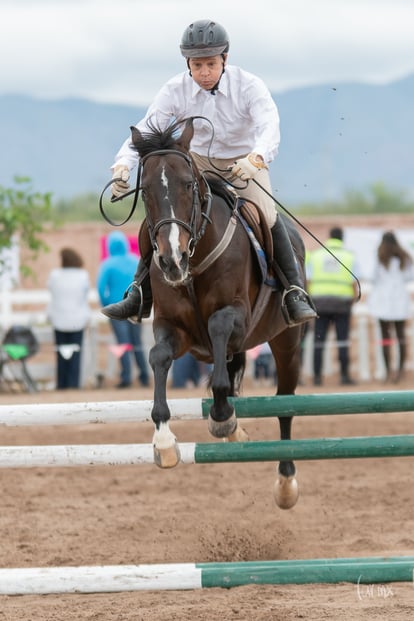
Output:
[[333, 139]]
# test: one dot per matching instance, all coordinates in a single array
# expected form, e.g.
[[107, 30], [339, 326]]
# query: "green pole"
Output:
[[319, 448], [315, 405], [357, 571]]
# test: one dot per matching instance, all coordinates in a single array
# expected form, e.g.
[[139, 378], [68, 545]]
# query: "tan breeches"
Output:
[[252, 192]]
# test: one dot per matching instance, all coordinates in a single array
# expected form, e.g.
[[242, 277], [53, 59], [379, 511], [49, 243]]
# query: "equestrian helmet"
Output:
[[204, 38]]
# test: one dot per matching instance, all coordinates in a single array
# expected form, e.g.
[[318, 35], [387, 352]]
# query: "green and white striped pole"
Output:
[[184, 576], [207, 453]]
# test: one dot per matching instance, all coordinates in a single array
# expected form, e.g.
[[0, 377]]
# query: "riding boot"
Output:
[[297, 306], [137, 301]]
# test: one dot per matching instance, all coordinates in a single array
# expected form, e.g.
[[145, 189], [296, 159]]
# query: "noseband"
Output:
[[191, 226]]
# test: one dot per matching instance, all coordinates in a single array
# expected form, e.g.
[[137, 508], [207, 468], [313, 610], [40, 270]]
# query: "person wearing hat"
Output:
[[246, 139]]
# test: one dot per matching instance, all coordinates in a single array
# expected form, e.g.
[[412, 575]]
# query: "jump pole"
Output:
[[184, 576], [198, 408], [207, 453]]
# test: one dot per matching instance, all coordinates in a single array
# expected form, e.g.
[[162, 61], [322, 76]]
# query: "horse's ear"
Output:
[[187, 135], [135, 135]]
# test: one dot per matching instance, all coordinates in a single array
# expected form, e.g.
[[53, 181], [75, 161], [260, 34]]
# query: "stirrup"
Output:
[[291, 322]]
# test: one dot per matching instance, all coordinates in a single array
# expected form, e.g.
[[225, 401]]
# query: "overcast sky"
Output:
[[122, 51]]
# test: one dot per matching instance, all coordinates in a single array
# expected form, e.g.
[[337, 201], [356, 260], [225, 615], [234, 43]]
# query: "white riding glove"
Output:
[[121, 186], [247, 167]]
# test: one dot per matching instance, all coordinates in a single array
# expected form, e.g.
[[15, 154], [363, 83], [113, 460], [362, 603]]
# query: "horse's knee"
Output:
[[161, 356]]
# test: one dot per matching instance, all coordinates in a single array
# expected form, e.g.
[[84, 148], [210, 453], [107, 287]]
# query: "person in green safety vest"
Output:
[[333, 290]]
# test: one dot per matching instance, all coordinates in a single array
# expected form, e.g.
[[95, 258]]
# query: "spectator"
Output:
[[333, 290], [264, 364], [69, 313], [115, 274], [389, 300], [185, 369]]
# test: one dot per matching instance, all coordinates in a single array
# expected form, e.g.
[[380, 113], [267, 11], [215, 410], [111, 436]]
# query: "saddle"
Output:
[[255, 225], [260, 229]]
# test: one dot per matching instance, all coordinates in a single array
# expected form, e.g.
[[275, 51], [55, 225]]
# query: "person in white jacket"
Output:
[[245, 119], [69, 314], [389, 300]]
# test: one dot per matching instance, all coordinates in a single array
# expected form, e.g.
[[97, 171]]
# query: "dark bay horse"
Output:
[[208, 294]]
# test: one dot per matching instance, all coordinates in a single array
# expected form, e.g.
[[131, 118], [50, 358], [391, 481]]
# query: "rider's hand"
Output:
[[121, 186], [247, 167]]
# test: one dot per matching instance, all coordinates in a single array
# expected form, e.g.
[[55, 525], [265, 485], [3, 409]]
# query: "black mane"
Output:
[[156, 138]]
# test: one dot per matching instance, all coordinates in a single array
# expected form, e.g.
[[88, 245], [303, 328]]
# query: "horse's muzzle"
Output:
[[175, 271]]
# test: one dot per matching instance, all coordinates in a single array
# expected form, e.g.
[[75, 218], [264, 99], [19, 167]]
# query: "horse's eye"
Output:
[[189, 186], [143, 194]]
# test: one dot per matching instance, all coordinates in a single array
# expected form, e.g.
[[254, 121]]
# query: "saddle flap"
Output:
[[255, 219]]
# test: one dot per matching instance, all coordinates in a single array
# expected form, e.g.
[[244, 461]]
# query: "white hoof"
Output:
[[166, 451], [286, 492], [167, 457]]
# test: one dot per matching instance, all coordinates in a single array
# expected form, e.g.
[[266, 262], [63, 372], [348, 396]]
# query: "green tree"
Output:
[[23, 215]]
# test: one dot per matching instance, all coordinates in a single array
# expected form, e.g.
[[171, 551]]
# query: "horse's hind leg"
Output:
[[223, 324], [286, 491], [235, 368]]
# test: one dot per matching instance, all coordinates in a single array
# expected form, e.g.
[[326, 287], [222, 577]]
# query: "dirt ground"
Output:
[[141, 514]]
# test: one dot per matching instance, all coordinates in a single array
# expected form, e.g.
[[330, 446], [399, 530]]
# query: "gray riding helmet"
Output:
[[204, 38]]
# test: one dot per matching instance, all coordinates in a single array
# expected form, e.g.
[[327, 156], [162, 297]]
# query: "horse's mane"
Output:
[[155, 138]]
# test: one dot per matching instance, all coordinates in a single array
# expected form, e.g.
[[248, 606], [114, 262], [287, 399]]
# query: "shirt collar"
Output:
[[223, 86]]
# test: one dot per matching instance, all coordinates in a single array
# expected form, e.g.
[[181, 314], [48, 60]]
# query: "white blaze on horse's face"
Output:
[[173, 268]]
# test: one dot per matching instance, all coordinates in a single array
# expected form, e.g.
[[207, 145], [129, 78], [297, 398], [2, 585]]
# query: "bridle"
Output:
[[202, 205]]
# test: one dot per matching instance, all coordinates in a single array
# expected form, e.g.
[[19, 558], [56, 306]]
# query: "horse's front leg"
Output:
[[166, 451], [224, 324]]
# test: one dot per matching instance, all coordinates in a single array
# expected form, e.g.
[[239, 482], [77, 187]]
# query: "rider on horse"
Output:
[[246, 123]]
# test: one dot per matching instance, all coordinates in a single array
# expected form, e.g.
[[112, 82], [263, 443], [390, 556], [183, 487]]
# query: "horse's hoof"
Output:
[[238, 435], [286, 492], [167, 457], [222, 429]]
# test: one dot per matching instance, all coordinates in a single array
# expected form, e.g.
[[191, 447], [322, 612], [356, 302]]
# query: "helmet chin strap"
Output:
[[217, 84]]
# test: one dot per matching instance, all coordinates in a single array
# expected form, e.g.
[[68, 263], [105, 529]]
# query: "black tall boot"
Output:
[[296, 303], [137, 302]]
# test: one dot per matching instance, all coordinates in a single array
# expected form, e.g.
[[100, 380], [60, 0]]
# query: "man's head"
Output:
[[336, 233], [204, 45]]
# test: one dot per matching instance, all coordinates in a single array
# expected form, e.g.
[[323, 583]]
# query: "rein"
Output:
[[191, 227]]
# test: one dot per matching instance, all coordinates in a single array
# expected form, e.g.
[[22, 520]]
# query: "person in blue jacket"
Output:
[[114, 275]]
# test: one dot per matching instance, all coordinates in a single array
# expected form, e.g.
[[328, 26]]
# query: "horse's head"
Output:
[[170, 191]]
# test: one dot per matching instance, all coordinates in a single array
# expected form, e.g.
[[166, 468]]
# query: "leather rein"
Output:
[[205, 205]]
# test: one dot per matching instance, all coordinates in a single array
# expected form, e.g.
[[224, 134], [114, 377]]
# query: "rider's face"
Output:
[[206, 72]]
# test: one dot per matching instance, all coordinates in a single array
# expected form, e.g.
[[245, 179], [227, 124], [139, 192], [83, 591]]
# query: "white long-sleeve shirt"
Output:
[[389, 298], [244, 116], [68, 310]]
